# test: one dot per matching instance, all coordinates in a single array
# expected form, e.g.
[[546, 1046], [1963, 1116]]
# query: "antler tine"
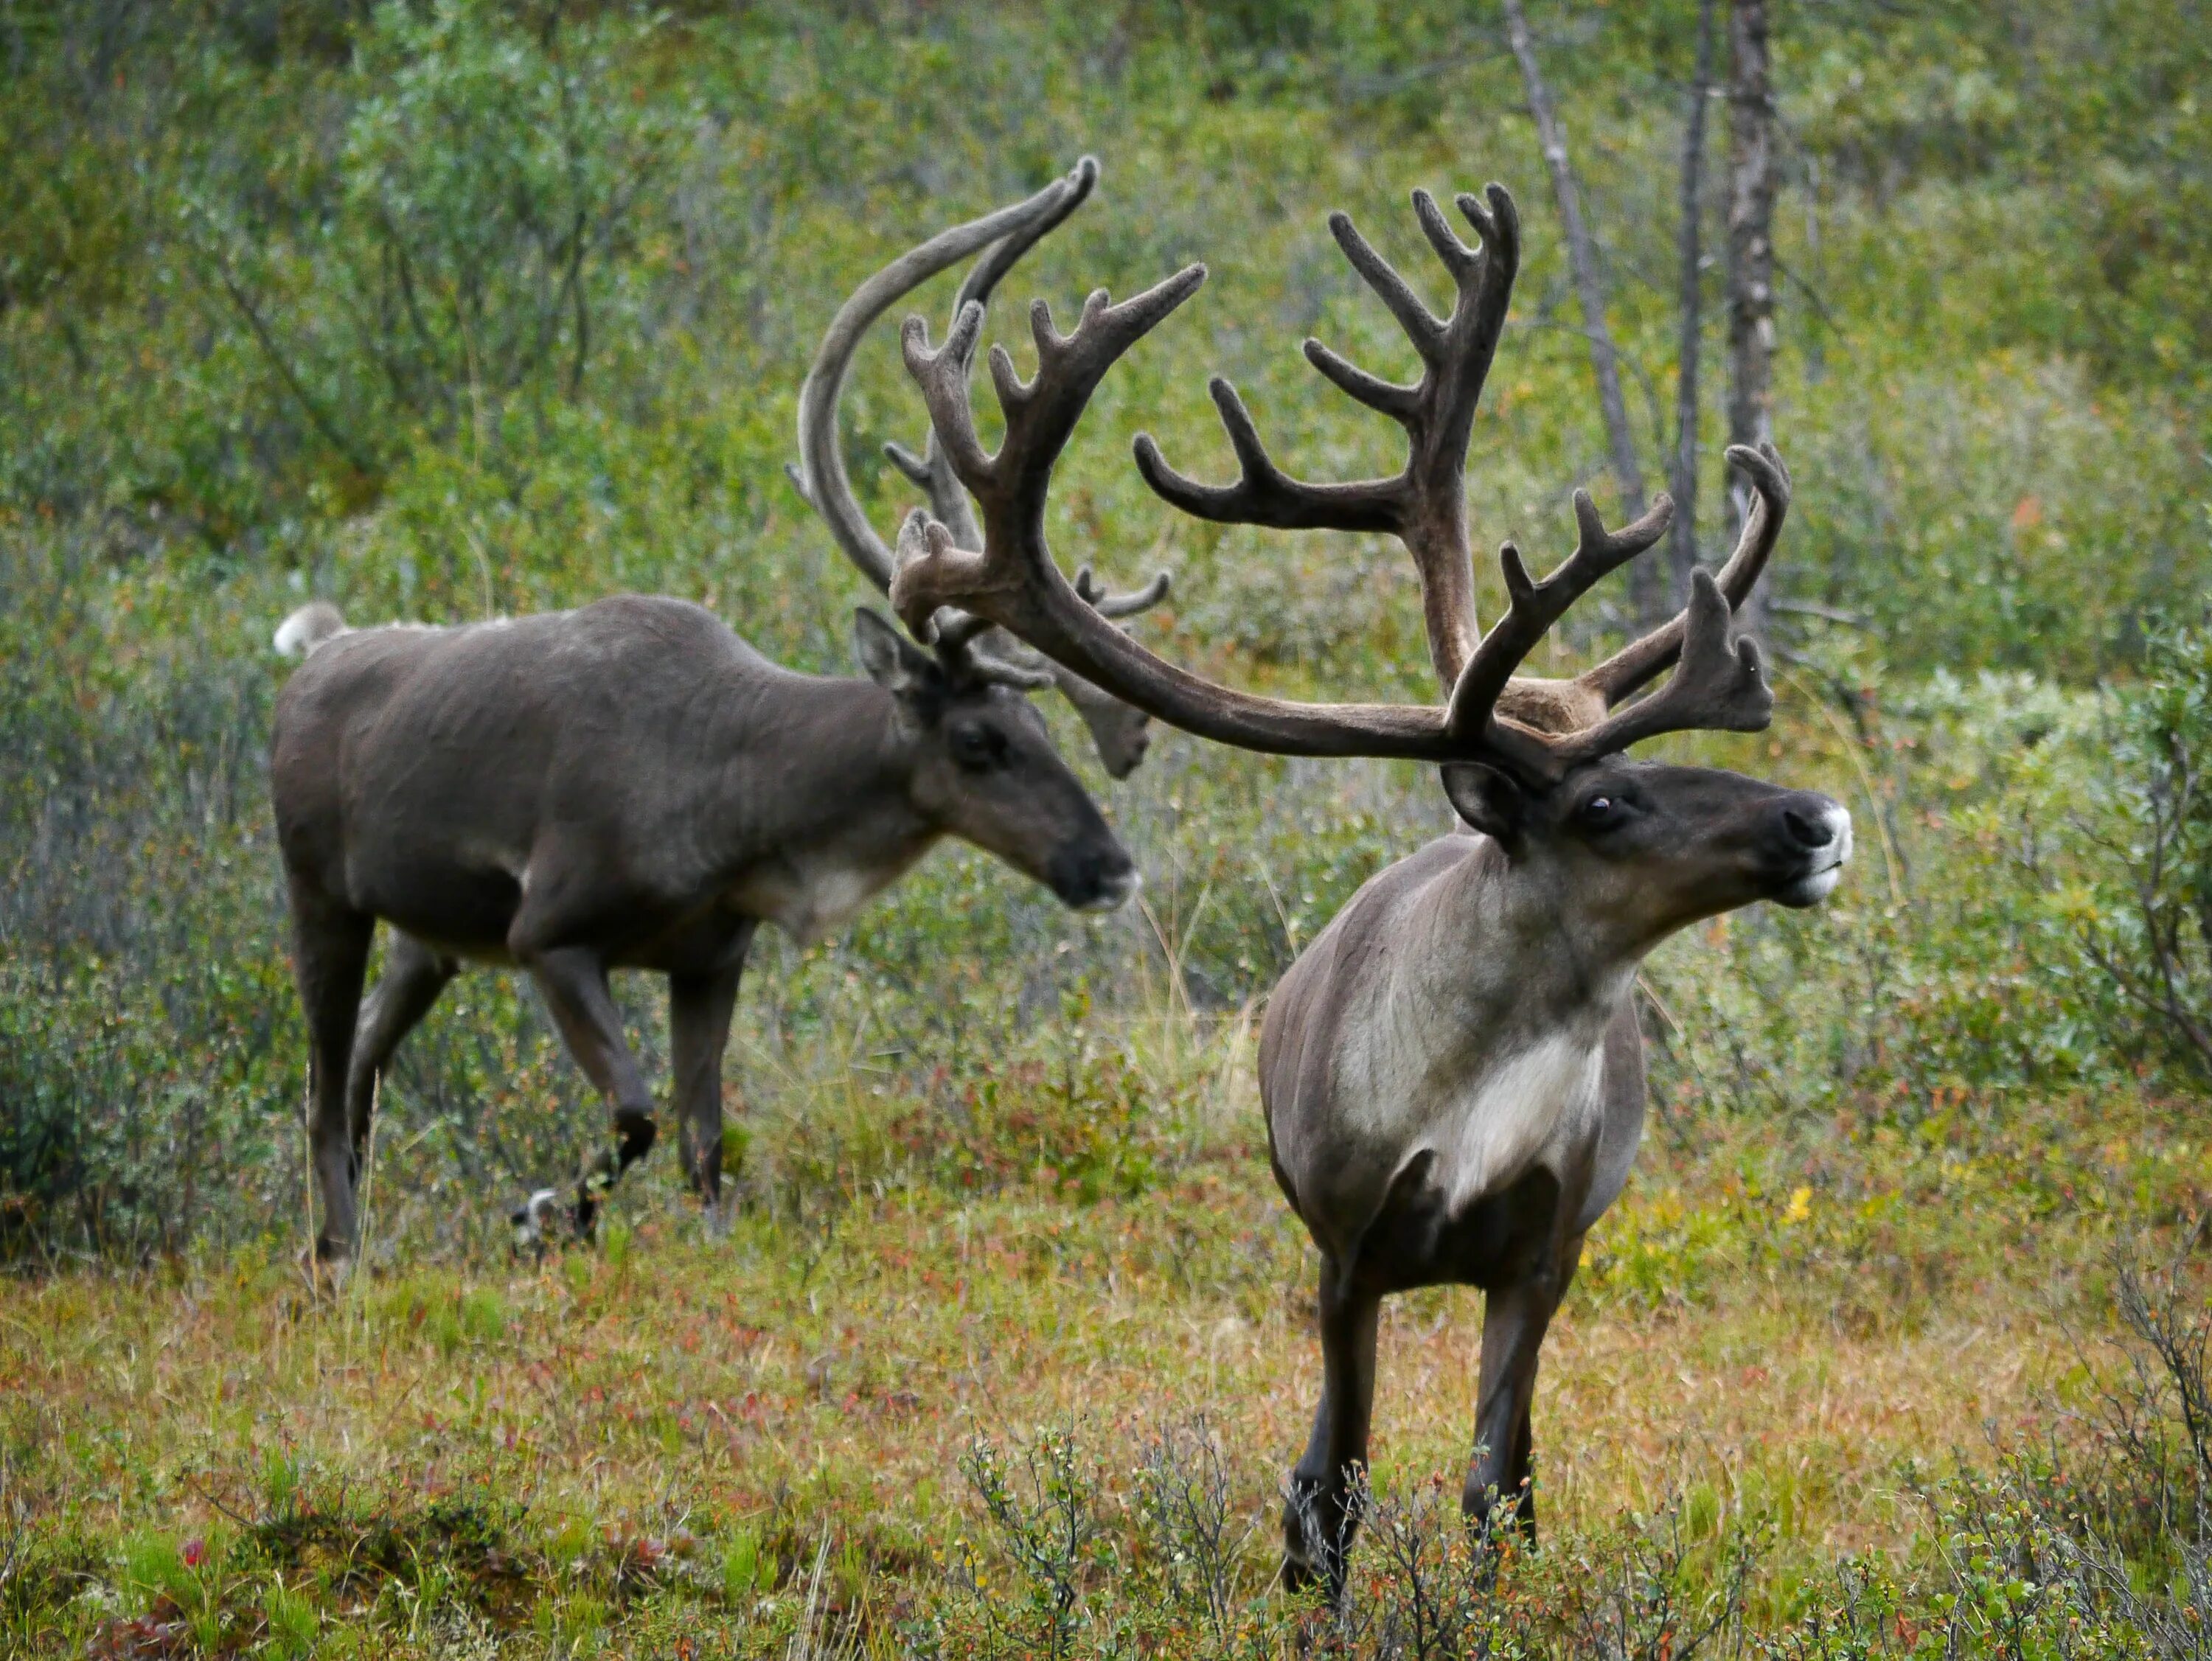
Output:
[[1094, 594], [917, 469], [1459, 259], [1041, 412], [1423, 505], [1720, 685], [942, 374], [1639, 662], [1533, 607], [1264, 495], [948, 499], [820, 477], [1422, 326]]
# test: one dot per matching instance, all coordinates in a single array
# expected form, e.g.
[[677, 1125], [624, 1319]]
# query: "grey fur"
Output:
[[628, 785]]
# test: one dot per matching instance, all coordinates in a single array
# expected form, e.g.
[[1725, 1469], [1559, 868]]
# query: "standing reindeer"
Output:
[[630, 785], [1452, 1073]]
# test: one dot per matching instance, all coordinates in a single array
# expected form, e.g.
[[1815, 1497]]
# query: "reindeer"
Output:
[[630, 785], [1452, 1073]]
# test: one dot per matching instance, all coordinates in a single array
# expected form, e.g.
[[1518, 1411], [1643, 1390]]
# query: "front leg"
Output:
[[1318, 1518], [1515, 1318], [573, 979], [699, 1008]]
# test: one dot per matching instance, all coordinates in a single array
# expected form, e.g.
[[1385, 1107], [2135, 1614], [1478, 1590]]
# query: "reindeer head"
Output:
[[980, 765]]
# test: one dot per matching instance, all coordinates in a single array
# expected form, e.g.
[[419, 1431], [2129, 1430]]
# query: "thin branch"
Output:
[[319, 417], [1683, 482]]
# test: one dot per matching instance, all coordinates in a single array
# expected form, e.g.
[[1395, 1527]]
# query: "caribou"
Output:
[[630, 785], [1452, 1073]]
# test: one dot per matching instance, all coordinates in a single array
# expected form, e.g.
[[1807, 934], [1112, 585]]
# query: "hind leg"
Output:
[[330, 957], [413, 976]]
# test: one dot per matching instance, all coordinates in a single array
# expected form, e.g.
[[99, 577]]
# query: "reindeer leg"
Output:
[[330, 959], [1520, 1477], [413, 976], [699, 1007], [574, 981], [1319, 1519], [1514, 1320]]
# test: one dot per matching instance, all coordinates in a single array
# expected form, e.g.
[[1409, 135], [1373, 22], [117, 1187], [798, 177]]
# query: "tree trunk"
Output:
[[1682, 549], [1752, 182], [1646, 589]]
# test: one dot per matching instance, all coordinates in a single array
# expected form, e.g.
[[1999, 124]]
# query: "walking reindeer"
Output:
[[1452, 1072], [630, 785]]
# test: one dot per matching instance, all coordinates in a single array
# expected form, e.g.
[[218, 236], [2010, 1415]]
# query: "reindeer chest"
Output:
[[1540, 1107], [811, 894], [1486, 1120]]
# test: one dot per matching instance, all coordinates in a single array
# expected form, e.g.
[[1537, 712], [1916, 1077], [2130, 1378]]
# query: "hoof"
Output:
[[326, 1267], [536, 1221], [1314, 1553], [715, 1216]]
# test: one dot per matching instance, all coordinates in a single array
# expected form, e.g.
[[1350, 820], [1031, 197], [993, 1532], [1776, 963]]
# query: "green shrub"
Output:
[[2144, 914]]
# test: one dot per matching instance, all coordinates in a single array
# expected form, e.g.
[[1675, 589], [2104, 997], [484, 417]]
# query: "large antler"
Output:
[[1012, 579], [820, 475], [1003, 238], [1423, 504]]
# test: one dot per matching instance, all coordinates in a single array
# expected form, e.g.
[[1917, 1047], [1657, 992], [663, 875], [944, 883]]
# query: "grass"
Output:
[[1786, 1327]]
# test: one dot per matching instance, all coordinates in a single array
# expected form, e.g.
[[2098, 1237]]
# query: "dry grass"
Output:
[[810, 1384]]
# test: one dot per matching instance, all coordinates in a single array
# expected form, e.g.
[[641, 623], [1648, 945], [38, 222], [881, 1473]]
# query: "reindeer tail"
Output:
[[308, 627]]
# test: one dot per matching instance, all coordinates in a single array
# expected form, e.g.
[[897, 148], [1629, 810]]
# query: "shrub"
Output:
[[2145, 917]]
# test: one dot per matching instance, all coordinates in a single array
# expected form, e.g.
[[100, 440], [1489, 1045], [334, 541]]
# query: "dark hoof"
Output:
[[1309, 1564]]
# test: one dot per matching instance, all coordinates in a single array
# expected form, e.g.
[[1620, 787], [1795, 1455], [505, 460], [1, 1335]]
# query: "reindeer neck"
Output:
[[814, 765], [1498, 957]]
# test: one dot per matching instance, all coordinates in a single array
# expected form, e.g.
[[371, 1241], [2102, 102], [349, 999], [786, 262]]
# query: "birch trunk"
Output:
[[1751, 186], [1682, 547], [1645, 588]]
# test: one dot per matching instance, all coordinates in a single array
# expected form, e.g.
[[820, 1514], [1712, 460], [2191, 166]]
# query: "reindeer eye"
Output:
[[1599, 810], [976, 747]]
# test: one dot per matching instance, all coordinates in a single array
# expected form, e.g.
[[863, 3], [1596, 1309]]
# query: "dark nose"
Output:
[[1094, 878], [1805, 830]]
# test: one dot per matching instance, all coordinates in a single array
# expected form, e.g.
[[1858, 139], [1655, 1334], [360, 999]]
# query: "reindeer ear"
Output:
[[1488, 800], [887, 657]]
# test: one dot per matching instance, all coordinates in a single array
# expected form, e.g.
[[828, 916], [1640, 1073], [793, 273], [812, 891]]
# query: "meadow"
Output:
[[1896, 1344]]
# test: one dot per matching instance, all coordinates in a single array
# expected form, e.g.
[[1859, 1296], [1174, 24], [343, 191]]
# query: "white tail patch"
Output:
[[308, 627]]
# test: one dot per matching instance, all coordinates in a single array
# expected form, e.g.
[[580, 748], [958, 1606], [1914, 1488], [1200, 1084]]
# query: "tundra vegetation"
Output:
[[1895, 1342]]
